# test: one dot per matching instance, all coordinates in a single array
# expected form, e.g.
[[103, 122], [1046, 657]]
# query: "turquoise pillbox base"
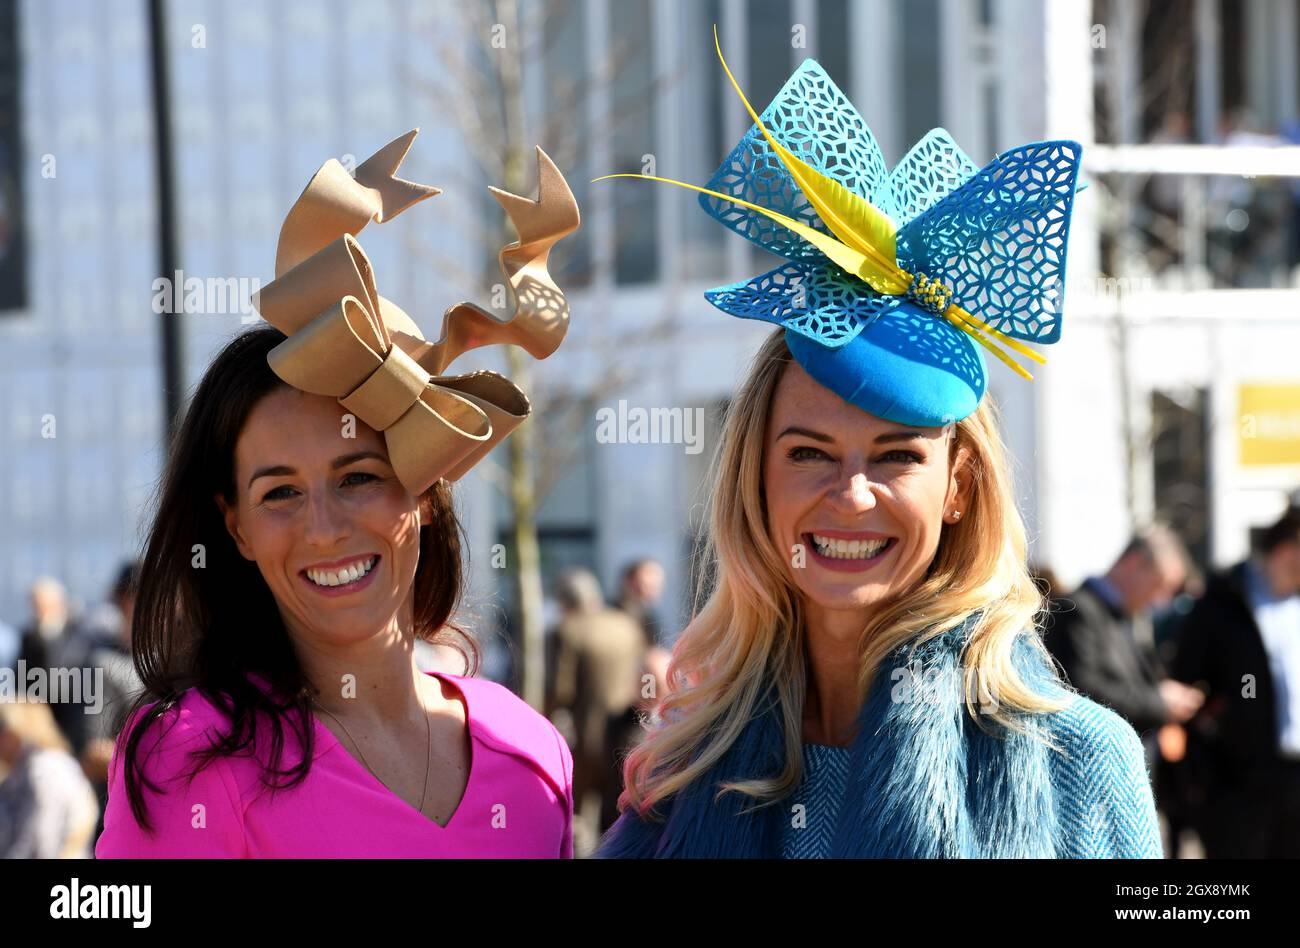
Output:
[[900, 370]]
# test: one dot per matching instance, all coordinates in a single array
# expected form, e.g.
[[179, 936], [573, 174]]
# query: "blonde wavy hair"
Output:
[[748, 635]]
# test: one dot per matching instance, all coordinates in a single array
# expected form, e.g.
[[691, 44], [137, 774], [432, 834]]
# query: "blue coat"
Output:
[[927, 782]]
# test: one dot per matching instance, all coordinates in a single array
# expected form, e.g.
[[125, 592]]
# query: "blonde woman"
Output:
[[866, 677]]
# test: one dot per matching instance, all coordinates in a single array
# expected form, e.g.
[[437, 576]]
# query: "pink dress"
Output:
[[518, 802]]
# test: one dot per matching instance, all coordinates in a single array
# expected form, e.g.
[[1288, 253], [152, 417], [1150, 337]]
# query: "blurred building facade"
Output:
[[1167, 358]]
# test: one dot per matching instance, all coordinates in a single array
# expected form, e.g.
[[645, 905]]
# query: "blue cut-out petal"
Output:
[[999, 240], [815, 120]]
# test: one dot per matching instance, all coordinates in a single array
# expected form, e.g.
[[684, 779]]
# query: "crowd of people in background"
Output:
[[1206, 669], [606, 667], [53, 754]]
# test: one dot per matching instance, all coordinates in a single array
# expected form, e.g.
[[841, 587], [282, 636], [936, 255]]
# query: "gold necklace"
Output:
[[428, 746]]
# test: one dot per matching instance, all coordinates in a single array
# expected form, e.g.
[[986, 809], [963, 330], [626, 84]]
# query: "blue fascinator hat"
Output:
[[894, 282]]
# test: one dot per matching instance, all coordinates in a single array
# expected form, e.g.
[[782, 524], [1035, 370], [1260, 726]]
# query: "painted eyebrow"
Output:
[[887, 438], [284, 470]]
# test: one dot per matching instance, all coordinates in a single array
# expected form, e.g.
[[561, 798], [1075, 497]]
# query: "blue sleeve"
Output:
[[1105, 793]]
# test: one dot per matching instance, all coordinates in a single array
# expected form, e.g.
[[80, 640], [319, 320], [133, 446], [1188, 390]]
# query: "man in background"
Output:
[[1241, 643], [54, 639], [641, 588], [112, 653], [598, 661], [1091, 633]]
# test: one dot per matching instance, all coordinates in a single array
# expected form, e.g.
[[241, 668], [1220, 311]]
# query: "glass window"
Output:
[[771, 59], [1180, 456], [13, 228], [566, 133], [769, 50], [920, 69], [705, 141], [633, 135], [833, 44]]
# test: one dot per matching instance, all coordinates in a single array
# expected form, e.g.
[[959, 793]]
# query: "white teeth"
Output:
[[349, 574], [848, 549]]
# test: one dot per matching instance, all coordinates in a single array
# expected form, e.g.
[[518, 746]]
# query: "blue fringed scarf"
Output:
[[925, 780]]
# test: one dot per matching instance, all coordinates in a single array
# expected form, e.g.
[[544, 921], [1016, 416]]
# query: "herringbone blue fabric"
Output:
[[924, 782], [825, 778], [1105, 810], [1103, 795]]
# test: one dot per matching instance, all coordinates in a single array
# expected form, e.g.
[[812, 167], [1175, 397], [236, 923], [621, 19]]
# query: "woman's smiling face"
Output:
[[311, 502], [855, 504]]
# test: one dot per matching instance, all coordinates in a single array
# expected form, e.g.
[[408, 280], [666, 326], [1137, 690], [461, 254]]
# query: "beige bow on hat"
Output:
[[347, 341]]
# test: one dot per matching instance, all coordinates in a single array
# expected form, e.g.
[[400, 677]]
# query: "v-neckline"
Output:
[[332, 741]]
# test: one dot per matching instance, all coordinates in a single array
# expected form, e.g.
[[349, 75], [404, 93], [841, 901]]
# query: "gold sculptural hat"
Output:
[[347, 341]]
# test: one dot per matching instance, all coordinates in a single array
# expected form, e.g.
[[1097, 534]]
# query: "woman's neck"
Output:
[[833, 700], [373, 679]]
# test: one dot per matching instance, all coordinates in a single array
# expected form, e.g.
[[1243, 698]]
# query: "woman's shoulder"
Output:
[[1088, 730], [176, 740], [507, 723], [195, 807], [1102, 784], [1085, 730], [186, 723]]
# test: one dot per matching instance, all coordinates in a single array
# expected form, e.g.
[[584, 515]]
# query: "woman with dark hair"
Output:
[[304, 539]]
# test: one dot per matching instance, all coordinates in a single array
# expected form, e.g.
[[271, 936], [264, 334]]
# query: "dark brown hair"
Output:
[[1286, 530], [208, 628]]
